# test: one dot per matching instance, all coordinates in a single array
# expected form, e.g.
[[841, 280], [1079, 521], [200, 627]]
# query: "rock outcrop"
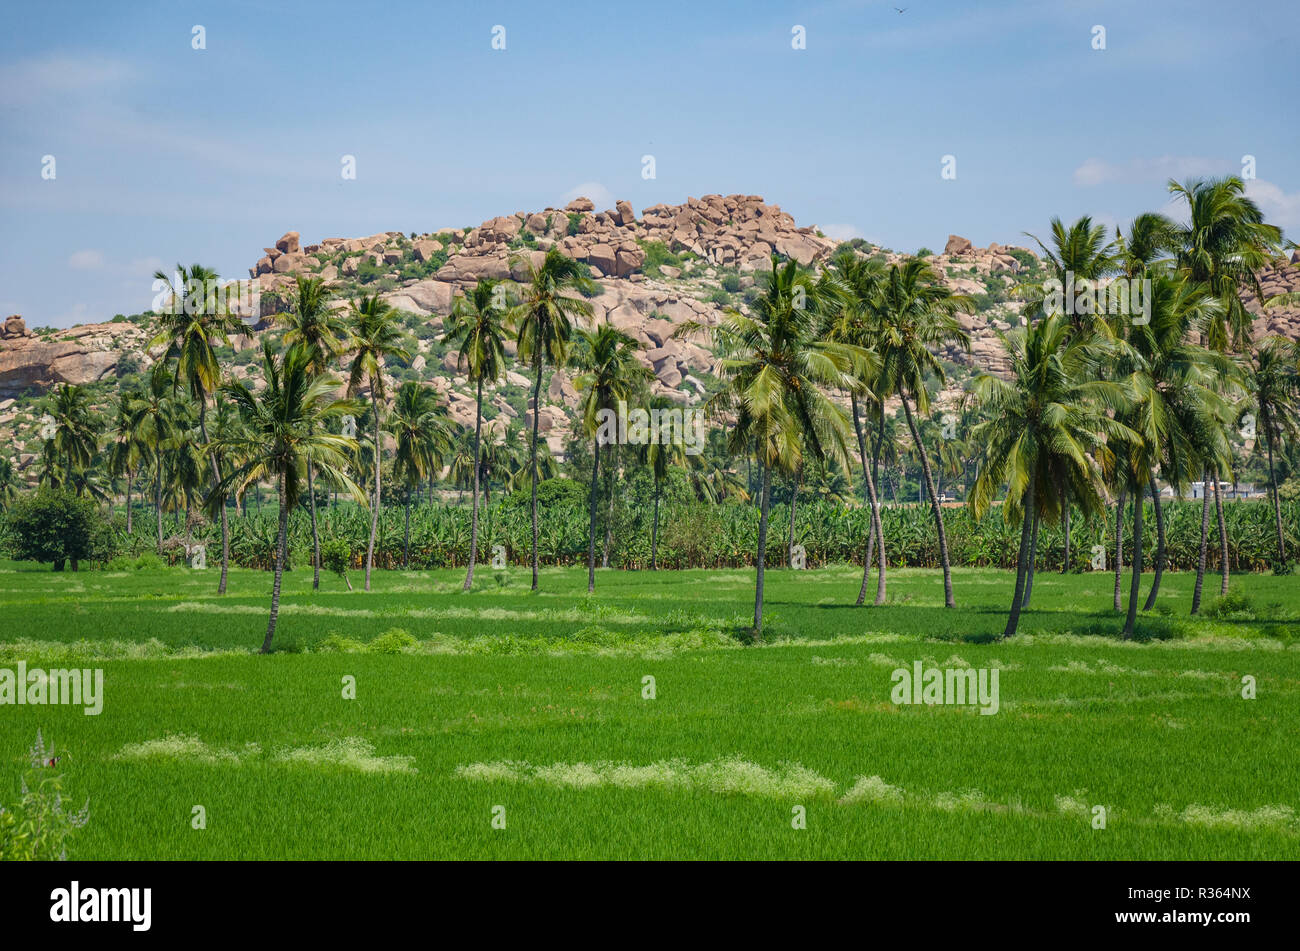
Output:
[[83, 354]]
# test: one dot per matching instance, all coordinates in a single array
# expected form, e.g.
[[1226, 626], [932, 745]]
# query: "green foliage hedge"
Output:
[[694, 534]]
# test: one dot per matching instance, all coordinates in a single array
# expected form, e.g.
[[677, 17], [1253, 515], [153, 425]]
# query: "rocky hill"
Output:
[[673, 263]]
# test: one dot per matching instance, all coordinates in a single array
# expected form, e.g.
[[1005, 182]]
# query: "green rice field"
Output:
[[534, 711]]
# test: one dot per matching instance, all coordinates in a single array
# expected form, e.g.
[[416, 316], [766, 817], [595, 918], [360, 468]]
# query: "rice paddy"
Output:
[[418, 721]]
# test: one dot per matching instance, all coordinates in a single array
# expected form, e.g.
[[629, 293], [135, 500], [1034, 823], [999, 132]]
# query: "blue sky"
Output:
[[164, 153]]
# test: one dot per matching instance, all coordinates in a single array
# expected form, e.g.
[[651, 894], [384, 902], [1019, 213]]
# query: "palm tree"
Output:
[[1223, 245], [919, 313], [9, 483], [75, 440], [153, 416], [659, 456], [192, 328], [423, 439], [1178, 387], [1080, 256], [858, 281], [313, 322], [1274, 386], [777, 369], [1080, 252], [477, 329], [544, 320], [610, 373], [1150, 238], [283, 427], [1047, 427], [127, 449], [376, 336]]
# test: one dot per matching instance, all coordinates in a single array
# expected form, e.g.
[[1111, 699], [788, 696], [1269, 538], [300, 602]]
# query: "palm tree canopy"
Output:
[[779, 368], [376, 336], [917, 317], [611, 372], [311, 320], [546, 313], [1223, 244], [477, 329], [1050, 422], [192, 328], [422, 431], [284, 425]]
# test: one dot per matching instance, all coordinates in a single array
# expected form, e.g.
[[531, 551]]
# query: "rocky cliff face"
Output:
[[671, 264], [84, 354]]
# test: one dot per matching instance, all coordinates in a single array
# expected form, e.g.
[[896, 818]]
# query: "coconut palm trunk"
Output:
[[1225, 566], [1272, 482], [876, 533], [216, 476], [130, 476], [1160, 546], [1135, 586], [1033, 561], [315, 533], [1022, 562], [765, 494], [473, 521], [1119, 548], [654, 531], [157, 503], [1065, 563], [374, 512], [948, 599], [281, 544], [794, 501], [609, 514], [406, 536], [591, 530], [537, 395], [1205, 541]]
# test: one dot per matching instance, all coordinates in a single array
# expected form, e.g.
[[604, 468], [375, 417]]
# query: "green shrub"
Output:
[[55, 526], [146, 561], [1233, 606], [393, 641], [37, 827]]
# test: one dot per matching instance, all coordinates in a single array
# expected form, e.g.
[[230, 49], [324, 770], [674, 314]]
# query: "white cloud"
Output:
[[34, 81], [79, 314], [841, 232], [1143, 171], [88, 260], [1279, 208], [144, 266], [600, 196]]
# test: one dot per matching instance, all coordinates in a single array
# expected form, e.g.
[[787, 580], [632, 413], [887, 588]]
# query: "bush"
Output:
[[55, 526], [731, 283], [551, 492], [336, 556], [657, 254], [393, 641], [36, 827], [146, 561], [1233, 606]]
